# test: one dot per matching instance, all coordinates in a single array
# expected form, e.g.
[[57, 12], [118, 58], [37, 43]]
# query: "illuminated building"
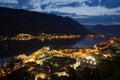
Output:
[[23, 37]]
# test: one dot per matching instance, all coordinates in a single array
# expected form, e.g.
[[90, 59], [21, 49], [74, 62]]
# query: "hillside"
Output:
[[13, 21]]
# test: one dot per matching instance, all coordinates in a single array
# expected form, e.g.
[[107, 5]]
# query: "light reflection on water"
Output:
[[88, 42]]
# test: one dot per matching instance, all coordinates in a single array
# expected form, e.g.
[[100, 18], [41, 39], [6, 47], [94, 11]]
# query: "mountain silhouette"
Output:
[[113, 30], [13, 21]]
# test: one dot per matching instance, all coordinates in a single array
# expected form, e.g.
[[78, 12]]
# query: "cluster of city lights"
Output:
[[83, 57], [42, 37]]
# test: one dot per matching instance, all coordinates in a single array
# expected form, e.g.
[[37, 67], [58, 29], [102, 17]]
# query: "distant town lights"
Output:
[[111, 41]]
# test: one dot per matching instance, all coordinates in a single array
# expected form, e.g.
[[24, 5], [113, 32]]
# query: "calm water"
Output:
[[88, 42], [9, 49]]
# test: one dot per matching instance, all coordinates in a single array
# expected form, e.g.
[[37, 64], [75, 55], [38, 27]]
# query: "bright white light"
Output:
[[87, 61], [95, 63], [90, 58], [91, 62]]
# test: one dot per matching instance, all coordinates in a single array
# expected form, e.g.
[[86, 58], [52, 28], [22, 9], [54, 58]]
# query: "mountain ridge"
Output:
[[14, 21]]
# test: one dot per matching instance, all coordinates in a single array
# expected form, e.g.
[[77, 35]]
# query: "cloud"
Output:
[[8, 1], [66, 6], [62, 1], [62, 6], [86, 10]]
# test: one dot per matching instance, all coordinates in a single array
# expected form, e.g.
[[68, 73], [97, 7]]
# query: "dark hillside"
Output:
[[13, 21]]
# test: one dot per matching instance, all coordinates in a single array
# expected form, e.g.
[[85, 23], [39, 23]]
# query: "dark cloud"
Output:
[[110, 3], [22, 2]]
